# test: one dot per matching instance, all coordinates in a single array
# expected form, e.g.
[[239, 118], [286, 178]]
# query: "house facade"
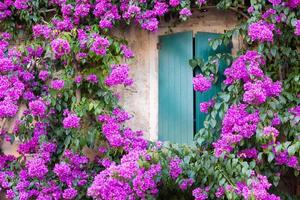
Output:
[[161, 65]]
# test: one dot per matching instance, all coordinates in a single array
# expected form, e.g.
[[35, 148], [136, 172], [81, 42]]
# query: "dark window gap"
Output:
[[194, 93]]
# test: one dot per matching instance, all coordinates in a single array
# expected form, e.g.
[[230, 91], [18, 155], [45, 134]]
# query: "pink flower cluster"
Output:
[[118, 135], [41, 30], [245, 67], [297, 29], [205, 106], [275, 2], [126, 51], [71, 121], [100, 45], [92, 78], [248, 153], [57, 84], [110, 13], [261, 31], [37, 108], [201, 83], [283, 158], [199, 194], [293, 4], [127, 180], [7, 6], [174, 167], [71, 172], [258, 87], [119, 76], [60, 47], [257, 189], [17, 81], [257, 92], [237, 124]]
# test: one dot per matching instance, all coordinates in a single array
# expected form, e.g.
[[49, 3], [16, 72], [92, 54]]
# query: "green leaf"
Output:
[[270, 157], [193, 63]]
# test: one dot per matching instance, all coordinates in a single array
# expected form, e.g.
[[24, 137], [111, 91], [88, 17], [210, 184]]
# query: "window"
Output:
[[178, 115]]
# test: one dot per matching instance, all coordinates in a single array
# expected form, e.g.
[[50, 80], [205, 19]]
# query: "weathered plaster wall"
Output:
[[141, 99]]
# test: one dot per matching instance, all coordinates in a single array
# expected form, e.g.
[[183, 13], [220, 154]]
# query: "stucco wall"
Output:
[[141, 99]]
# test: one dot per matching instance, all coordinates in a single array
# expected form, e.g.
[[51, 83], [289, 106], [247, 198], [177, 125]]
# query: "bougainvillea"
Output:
[[202, 83], [62, 83]]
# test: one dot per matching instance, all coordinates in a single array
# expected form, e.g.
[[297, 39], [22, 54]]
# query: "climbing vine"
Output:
[[61, 65]]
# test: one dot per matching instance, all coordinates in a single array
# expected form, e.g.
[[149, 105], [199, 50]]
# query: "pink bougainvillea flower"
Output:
[[297, 28], [60, 47], [119, 76], [57, 84], [71, 121], [261, 31], [205, 106], [201, 83]]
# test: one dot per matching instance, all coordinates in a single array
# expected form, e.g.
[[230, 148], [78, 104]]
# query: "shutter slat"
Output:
[[175, 88]]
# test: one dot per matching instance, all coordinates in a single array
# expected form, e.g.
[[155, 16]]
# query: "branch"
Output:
[[49, 10], [231, 8]]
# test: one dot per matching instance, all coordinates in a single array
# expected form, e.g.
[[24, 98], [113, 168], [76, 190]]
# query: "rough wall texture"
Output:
[[142, 99]]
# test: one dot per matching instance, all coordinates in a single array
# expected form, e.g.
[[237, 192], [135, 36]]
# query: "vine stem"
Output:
[[225, 175], [230, 8], [49, 10], [3, 123]]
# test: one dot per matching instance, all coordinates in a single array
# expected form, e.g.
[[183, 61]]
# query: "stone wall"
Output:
[[141, 99]]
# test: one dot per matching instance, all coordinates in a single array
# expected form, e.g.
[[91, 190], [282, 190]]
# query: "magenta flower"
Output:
[[201, 83], [41, 30], [275, 2], [37, 108], [174, 3], [205, 106], [186, 183], [248, 153], [6, 65], [245, 67], [201, 2], [185, 12], [36, 168], [60, 47], [21, 4], [237, 124], [293, 3], [69, 193], [174, 167], [92, 78], [261, 31], [271, 131], [297, 29], [78, 79], [118, 76], [199, 194], [43, 75], [57, 84], [126, 51], [100, 45], [8, 109], [71, 121]]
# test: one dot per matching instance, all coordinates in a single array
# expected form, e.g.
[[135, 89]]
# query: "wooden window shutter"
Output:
[[175, 120], [203, 50]]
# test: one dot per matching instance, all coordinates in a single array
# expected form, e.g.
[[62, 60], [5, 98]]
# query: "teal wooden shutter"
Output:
[[203, 50], [175, 120]]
